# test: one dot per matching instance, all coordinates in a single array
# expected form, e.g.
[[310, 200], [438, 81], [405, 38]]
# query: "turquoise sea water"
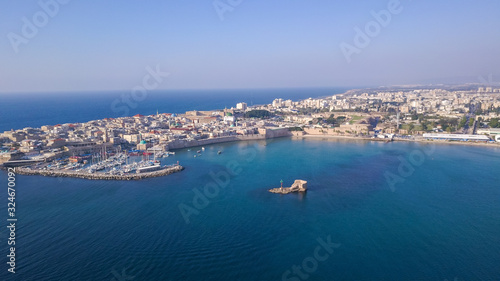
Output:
[[440, 221]]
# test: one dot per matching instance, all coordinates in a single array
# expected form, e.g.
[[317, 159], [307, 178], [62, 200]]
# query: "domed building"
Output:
[[144, 145]]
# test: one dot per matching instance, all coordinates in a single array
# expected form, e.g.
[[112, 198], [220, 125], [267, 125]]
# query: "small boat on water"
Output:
[[203, 148], [199, 151], [219, 152]]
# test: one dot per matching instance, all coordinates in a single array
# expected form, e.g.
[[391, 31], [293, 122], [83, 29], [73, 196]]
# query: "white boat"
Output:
[[149, 168]]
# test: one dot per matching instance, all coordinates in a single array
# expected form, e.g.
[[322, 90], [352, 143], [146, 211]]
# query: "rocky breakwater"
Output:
[[100, 176], [297, 186]]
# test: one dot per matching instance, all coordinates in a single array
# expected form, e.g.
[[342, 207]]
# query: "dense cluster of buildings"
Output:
[[159, 132], [403, 111], [358, 112], [426, 101]]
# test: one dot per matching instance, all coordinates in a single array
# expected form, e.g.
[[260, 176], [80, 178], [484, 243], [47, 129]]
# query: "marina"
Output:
[[163, 171], [104, 166]]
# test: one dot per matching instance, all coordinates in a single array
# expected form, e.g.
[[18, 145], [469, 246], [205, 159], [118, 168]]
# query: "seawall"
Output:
[[99, 176], [266, 134], [177, 144]]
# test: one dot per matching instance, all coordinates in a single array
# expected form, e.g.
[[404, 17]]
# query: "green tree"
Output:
[[494, 123], [341, 119], [331, 120], [462, 122], [258, 114]]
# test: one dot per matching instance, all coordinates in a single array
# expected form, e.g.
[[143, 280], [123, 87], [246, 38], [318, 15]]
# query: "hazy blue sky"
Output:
[[91, 45]]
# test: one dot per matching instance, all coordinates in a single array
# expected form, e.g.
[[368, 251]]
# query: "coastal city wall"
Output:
[[263, 134], [320, 131], [275, 133], [9, 161], [177, 144], [343, 129]]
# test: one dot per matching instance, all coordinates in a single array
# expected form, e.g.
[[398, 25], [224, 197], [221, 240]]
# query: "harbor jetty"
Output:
[[297, 186], [100, 176]]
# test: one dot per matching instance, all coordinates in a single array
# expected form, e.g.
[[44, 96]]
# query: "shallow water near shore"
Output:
[[441, 221]]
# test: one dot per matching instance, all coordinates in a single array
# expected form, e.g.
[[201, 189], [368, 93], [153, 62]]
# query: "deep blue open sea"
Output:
[[19, 110], [436, 218]]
